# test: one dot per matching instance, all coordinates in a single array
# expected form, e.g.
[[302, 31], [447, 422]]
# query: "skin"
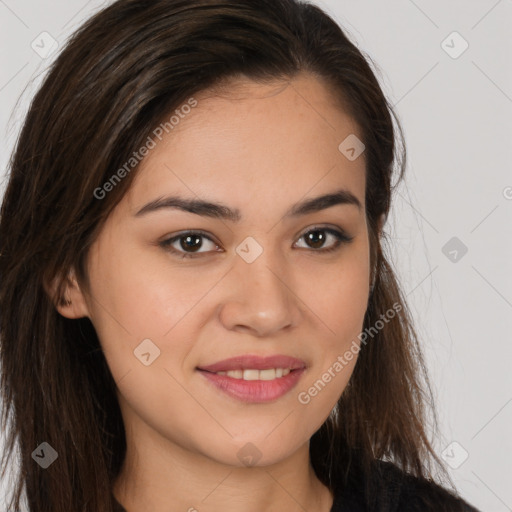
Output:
[[258, 148]]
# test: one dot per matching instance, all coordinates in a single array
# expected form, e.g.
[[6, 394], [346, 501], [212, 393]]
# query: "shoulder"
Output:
[[419, 494], [392, 490]]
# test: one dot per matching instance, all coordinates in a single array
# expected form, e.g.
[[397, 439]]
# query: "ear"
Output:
[[70, 302]]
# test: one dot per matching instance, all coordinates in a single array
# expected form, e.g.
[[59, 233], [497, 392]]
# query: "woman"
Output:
[[196, 311]]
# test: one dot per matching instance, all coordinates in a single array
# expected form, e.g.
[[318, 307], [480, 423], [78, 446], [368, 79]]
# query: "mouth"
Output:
[[255, 363], [255, 374], [255, 379]]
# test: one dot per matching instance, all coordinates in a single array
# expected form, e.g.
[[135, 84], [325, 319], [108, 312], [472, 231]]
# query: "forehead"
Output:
[[254, 143]]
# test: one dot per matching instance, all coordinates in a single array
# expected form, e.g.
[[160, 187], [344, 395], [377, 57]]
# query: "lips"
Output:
[[253, 362], [247, 380]]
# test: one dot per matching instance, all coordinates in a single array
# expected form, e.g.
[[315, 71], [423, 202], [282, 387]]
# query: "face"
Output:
[[266, 273]]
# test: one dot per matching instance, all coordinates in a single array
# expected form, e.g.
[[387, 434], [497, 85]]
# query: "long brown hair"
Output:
[[117, 77]]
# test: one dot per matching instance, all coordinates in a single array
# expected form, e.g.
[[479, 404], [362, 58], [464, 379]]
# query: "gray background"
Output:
[[456, 110]]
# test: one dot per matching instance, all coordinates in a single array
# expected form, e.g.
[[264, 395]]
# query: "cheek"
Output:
[[136, 298], [340, 311], [339, 296], [339, 300], [133, 291]]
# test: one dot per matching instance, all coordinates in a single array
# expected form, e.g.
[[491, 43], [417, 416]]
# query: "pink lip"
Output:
[[254, 391], [255, 362]]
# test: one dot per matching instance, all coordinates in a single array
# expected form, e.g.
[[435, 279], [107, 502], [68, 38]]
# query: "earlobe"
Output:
[[70, 303]]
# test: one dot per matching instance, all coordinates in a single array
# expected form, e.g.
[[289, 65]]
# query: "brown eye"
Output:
[[193, 242], [315, 238], [187, 244]]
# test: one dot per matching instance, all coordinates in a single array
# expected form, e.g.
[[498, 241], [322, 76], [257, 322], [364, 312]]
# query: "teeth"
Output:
[[252, 374], [269, 374]]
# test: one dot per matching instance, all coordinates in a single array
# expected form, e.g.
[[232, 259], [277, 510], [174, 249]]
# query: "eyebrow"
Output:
[[220, 211]]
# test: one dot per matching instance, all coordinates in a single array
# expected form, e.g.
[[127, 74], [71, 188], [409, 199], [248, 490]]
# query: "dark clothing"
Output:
[[394, 491]]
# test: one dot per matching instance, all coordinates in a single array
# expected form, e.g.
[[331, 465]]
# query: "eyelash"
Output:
[[341, 238]]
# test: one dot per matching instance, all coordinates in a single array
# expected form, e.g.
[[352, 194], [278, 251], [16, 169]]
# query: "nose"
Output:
[[260, 298]]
